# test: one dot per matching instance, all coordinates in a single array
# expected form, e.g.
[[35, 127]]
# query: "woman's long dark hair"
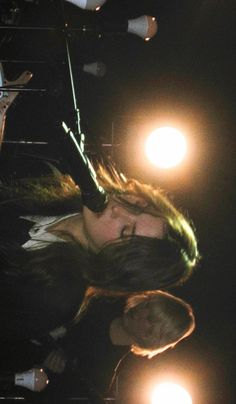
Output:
[[138, 264], [132, 264]]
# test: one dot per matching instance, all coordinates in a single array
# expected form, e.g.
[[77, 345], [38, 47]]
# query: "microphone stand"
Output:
[[92, 194], [76, 109]]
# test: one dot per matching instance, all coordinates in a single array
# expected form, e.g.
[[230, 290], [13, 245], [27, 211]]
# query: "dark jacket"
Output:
[[31, 307]]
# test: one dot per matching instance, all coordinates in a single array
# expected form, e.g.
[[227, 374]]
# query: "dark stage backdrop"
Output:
[[183, 77]]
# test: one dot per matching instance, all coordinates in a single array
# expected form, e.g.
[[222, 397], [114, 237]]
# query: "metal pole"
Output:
[[77, 112]]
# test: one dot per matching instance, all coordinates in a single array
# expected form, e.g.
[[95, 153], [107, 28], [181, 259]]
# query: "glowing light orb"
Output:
[[170, 393], [166, 147]]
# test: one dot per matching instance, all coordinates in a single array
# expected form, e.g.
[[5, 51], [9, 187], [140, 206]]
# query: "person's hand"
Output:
[[56, 361]]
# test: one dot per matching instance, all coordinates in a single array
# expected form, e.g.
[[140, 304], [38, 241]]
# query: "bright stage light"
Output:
[[170, 393], [166, 147]]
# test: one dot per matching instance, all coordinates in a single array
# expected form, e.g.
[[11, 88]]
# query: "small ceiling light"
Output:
[[145, 26], [88, 4], [97, 69], [33, 379]]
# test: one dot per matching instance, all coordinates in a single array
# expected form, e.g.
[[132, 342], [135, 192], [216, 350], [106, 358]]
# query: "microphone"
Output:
[[33, 379], [93, 195]]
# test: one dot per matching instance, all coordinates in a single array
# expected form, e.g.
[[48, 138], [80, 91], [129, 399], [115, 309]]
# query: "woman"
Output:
[[52, 248], [146, 324]]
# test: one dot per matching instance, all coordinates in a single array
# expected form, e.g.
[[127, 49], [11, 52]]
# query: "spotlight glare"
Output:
[[166, 147], [170, 393]]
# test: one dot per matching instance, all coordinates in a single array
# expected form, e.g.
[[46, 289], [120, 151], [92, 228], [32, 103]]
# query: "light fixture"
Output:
[[170, 393], [33, 379], [145, 26], [97, 69], [166, 147], [88, 4]]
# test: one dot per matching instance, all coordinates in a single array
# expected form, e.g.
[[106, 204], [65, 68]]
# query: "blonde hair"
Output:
[[171, 316]]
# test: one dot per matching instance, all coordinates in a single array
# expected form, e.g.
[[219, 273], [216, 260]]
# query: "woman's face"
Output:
[[117, 221]]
